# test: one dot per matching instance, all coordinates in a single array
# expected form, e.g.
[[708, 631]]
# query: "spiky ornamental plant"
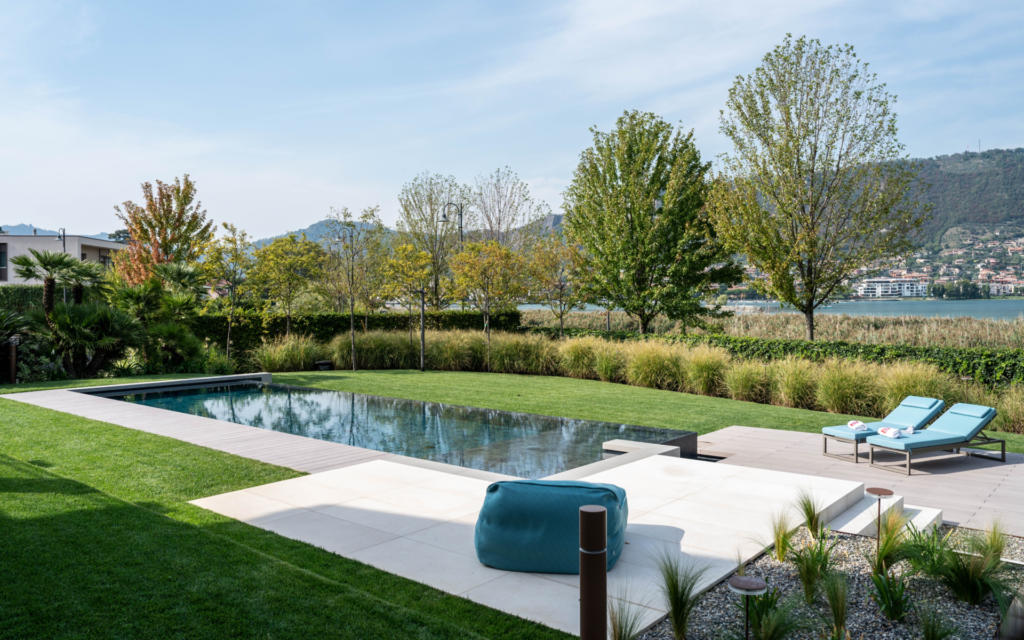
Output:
[[816, 185], [679, 583], [636, 207], [47, 266]]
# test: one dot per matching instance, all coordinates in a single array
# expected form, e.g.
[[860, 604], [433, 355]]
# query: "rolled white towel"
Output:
[[889, 432], [857, 425]]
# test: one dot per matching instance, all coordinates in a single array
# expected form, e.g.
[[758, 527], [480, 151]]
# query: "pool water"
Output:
[[515, 444]]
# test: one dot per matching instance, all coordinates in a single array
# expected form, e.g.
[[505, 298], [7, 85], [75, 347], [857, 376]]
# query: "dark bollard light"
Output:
[[593, 573], [1013, 623]]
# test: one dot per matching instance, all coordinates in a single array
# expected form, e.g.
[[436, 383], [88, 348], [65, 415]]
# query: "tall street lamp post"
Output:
[[444, 218]]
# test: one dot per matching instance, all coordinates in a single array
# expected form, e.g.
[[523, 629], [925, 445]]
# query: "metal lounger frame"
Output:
[[845, 458], [979, 440]]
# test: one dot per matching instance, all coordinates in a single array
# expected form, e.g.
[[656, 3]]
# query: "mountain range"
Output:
[[972, 194]]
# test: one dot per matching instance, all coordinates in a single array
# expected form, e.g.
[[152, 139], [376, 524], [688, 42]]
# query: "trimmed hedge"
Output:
[[21, 297], [249, 330], [992, 367]]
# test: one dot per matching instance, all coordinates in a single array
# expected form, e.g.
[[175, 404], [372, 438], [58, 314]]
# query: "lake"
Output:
[[997, 309]]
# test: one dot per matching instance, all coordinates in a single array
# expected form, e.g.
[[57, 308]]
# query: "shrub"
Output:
[[652, 364], [289, 353], [680, 582], [898, 380], [609, 362], [793, 383], [746, 381], [576, 357], [525, 354], [1011, 409], [847, 386], [891, 595], [217, 363], [705, 369]]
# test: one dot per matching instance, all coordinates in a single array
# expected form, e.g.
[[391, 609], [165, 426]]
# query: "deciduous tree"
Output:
[[551, 269], [421, 203], [508, 214], [285, 268], [169, 226], [490, 277], [228, 261], [817, 185], [408, 272], [636, 209]]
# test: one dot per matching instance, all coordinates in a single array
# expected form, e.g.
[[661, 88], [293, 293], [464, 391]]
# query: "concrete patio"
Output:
[[970, 491]]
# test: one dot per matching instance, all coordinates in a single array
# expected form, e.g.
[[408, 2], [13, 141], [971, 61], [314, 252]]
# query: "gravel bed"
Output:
[[717, 615], [1014, 545]]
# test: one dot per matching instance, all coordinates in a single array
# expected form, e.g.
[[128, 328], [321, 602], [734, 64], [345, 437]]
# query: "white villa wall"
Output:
[[77, 246]]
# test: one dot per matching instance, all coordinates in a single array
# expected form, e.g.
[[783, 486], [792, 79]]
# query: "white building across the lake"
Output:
[[891, 288]]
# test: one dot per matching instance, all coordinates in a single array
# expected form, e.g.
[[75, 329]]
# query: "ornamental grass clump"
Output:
[[704, 369], [625, 618], [892, 545], [836, 590], [523, 354], [378, 350], [576, 357], [847, 386], [609, 362], [793, 383], [813, 562], [1011, 409], [746, 380], [653, 364], [772, 618], [974, 568], [807, 506], [891, 595], [932, 625], [455, 350], [289, 353], [782, 531], [680, 582], [898, 380]]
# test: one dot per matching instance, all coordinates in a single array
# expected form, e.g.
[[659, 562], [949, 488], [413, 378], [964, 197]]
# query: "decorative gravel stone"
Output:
[[718, 616], [1014, 550]]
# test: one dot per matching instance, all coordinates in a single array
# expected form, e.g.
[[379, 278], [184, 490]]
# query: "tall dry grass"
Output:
[[904, 330]]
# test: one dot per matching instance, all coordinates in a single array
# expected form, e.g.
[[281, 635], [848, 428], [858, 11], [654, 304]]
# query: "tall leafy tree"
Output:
[[229, 260], [169, 226], [408, 272], [421, 205], [636, 207], [817, 185], [352, 239], [47, 266], [491, 277], [552, 276], [284, 270]]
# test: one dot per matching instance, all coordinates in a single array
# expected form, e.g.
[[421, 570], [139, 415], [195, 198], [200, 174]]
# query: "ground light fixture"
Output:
[[879, 493], [747, 586]]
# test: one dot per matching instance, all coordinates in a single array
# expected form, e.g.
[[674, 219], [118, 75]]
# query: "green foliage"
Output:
[[972, 568], [251, 329], [747, 381], [680, 582], [807, 506], [705, 369], [375, 350], [892, 546], [891, 595], [933, 625], [516, 353], [21, 298], [782, 531], [983, 365], [813, 562], [772, 618], [285, 269], [847, 386], [294, 352], [87, 337], [625, 618], [577, 357], [651, 365], [636, 207], [836, 590], [793, 383]]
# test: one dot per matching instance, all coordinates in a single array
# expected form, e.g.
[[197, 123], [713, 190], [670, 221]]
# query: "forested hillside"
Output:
[[974, 190]]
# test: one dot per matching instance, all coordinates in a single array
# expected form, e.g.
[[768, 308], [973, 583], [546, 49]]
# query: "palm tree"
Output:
[[46, 266], [82, 275], [89, 336]]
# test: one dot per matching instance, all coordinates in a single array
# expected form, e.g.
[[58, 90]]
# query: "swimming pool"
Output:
[[515, 444]]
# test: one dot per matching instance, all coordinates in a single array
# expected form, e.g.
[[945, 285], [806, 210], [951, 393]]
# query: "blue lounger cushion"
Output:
[[959, 425], [914, 411], [534, 525]]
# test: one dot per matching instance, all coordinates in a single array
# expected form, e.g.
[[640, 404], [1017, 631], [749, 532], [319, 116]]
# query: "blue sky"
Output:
[[280, 111]]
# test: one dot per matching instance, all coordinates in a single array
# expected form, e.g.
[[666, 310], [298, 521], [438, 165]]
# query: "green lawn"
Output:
[[97, 541], [586, 399], [96, 382]]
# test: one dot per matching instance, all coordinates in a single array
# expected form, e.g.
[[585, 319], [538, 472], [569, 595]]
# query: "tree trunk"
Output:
[[352, 329], [487, 330], [69, 366], [410, 325], [288, 323], [48, 286], [561, 325], [809, 319], [608, 319], [227, 344], [643, 324], [78, 293]]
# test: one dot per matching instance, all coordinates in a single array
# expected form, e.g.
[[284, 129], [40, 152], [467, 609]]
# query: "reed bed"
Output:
[[902, 330], [851, 387]]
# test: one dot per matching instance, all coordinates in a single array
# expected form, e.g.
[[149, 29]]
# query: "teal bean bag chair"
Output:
[[534, 525]]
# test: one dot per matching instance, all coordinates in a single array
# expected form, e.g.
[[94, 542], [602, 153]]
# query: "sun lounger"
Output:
[[959, 427], [914, 412]]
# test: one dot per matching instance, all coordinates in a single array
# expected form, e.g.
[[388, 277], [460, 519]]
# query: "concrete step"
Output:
[[923, 518], [861, 518]]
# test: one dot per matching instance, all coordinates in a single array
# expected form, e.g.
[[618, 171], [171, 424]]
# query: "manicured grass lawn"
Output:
[[97, 541], [96, 382], [585, 399]]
